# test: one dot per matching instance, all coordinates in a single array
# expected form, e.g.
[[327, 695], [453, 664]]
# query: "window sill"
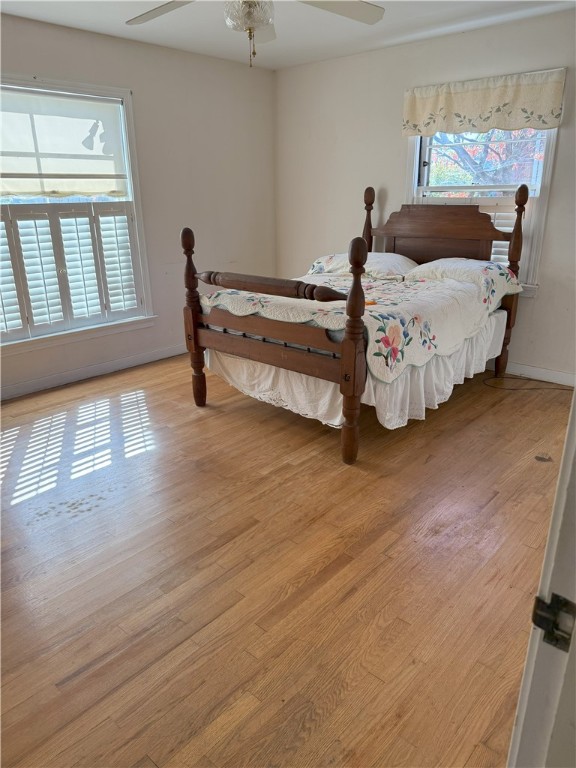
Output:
[[529, 291], [23, 346]]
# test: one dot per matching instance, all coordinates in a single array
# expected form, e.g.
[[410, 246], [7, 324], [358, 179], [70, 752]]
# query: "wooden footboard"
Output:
[[293, 346]]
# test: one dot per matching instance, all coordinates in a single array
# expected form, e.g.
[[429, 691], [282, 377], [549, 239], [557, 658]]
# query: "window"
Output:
[[69, 245], [485, 169], [488, 165], [478, 140]]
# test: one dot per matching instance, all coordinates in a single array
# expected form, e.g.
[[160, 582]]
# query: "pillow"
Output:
[[378, 265], [495, 280], [382, 265], [334, 263]]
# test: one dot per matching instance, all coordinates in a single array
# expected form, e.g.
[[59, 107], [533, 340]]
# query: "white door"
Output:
[[543, 733]]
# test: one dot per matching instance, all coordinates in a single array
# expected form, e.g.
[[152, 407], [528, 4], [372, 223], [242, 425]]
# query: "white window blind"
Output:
[[58, 145], [69, 245]]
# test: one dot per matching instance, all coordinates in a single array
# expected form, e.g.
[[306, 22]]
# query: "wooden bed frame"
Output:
[[423, 233]]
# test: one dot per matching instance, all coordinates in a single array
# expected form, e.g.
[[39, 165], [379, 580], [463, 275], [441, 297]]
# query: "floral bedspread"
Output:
[[407, 322]]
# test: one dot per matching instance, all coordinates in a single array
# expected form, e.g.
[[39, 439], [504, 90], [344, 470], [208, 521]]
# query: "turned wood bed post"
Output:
[[192, 312], [369, 197], [353, 376], [510, 303]]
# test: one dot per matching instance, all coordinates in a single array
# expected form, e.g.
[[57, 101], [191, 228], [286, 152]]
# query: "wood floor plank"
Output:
[[88, 684], [482, 757], [215, 732], [214, 588], [145, 762]]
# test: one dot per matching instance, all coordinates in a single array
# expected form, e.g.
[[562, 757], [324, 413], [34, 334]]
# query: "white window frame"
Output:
[[140, 315], [535, 216]]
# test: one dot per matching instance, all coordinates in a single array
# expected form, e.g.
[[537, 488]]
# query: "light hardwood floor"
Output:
[[213, 587]]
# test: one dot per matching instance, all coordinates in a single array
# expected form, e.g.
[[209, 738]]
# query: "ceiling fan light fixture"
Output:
[[248, 16], [243, 15]]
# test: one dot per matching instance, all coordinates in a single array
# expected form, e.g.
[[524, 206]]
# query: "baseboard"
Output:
[[88, 372], [542, 374]]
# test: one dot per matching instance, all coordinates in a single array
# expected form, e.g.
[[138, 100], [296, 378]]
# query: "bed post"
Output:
[[369, 197], [353, 372], [510, 303], [192, 312], [515, 247]]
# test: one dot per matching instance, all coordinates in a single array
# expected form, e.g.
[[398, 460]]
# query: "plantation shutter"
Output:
[[115, 239], [78, 245], [12, 313], [503, 220], [77, 268], [41, 273]]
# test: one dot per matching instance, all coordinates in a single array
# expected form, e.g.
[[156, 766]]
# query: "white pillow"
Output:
[[382, 265], [495, 280], [378, 265]]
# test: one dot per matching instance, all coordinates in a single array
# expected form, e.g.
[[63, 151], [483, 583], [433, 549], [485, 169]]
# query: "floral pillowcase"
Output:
[[495, 280], [379, 266]]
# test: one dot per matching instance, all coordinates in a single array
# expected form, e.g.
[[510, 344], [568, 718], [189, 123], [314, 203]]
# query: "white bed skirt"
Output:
[[407, 397]]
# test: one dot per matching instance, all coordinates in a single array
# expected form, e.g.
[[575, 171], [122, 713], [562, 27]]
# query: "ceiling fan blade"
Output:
[[158, 11], [265, 34], [367, 13]]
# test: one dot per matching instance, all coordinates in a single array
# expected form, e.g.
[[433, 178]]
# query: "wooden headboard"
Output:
[[425, 233]]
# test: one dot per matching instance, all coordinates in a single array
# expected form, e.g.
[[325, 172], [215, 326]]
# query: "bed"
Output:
[[398, 327]]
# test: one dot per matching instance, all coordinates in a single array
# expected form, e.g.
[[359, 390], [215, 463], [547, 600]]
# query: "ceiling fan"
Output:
[[250, 15]]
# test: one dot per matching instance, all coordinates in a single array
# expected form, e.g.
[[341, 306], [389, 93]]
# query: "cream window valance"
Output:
[[509, 102]]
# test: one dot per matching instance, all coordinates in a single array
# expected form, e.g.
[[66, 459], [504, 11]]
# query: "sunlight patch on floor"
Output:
[[77, 443], [41, 463]]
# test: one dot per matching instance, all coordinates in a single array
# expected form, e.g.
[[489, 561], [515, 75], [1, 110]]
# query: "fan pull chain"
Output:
[[252, 44]]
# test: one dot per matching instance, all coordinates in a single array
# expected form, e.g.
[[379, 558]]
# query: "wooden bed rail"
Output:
[[275, 286]]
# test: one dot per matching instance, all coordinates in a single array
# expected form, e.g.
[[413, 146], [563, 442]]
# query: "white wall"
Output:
[[205, 152], [339, 130], [269, 166]]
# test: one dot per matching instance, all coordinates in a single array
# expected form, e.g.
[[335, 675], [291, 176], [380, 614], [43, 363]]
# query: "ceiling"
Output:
[[303, 33]]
